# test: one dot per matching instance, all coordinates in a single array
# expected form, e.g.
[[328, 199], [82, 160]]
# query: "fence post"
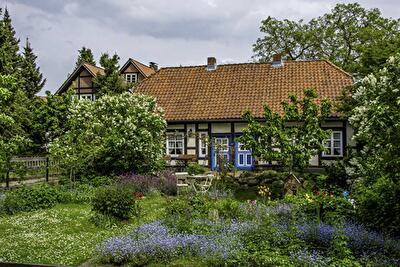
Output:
[[47, 169], [8, 179]]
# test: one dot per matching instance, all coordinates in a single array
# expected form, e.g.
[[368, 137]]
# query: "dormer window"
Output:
[[131, 77]]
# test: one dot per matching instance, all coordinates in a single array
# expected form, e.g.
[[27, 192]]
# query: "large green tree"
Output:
[[10, 59], [111, 82], [85, 56], [32, 78], [14, 118], [112, 135], [50, 116], [292, 138], [345, 36], [376, 122]]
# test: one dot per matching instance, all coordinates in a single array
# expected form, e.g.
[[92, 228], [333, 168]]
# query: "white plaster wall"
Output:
[[349, 136], [314, 160], [203, 126], [239, 126], [220, 127], [203, 162], [332, 124], [191, 151], [176, 127]]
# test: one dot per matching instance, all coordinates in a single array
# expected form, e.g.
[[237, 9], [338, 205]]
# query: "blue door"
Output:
[[243, 158], [219, 150]]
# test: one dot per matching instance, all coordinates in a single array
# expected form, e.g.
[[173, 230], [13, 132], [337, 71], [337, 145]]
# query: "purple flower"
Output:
[[165, 182], [154, 242]]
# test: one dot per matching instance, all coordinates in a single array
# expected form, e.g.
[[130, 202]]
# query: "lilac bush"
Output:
[[154, 242], [165, 182]]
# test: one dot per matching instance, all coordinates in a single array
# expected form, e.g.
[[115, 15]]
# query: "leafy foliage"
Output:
[[10, 60], [111, 82], [195, 168], [32, 78], [375, 120], [50, 116], [112, 135], [291, 139], [116, 201], [14, 117], [30, 198], [356, 39], [85, 56]]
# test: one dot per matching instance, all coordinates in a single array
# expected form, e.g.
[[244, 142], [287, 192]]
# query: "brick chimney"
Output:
[[154, 66], [277, 60], [211, 63]]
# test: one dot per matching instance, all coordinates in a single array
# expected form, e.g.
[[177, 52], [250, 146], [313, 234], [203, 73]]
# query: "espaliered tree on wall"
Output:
[[292, 138]]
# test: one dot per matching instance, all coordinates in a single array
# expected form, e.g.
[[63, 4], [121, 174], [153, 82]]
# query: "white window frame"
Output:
[[172, 137], [87, 97], [332, 147], [218, 140], [131, 77], [202, 144]]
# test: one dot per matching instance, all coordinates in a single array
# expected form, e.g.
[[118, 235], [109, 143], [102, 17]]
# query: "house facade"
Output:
[[81, 78], [207, 103], [204, 104]]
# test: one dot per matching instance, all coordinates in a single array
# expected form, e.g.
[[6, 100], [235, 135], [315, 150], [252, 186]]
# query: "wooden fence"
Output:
[[30, 169]]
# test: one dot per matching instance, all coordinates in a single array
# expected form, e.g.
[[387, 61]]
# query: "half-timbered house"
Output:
[[209, 101]]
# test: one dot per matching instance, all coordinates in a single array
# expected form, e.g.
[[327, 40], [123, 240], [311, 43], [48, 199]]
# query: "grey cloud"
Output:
[[169, 32]]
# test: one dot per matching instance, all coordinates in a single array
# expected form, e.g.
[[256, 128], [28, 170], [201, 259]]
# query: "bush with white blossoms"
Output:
[[112, 135], [376, 121]]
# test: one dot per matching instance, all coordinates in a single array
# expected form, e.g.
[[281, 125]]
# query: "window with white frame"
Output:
[[175, 144], [89, 97], [334, 145], [203, 148], [131, 77], [221, 144]]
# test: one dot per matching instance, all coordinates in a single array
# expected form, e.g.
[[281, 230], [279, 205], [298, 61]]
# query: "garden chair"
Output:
[[201, 184]]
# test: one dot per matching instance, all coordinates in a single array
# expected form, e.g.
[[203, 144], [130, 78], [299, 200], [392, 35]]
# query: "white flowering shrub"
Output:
[[376, 120], [112, 135]]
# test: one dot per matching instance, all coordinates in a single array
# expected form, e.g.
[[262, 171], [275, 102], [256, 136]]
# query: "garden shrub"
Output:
[[378, 205], [30, 198], [115, 201], [336, 178], [228, 208], [195, 169]]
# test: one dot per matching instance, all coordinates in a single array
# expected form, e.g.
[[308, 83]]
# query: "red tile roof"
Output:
[[195, 94]]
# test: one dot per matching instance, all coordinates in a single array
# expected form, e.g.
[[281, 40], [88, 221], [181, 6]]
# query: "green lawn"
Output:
[[61, 235]]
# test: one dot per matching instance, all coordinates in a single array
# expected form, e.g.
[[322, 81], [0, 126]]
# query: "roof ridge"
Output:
[[337, 67], [245, 63], [90, 64]]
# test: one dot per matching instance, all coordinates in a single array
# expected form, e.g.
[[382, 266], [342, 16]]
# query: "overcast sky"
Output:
[[169, 32]]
